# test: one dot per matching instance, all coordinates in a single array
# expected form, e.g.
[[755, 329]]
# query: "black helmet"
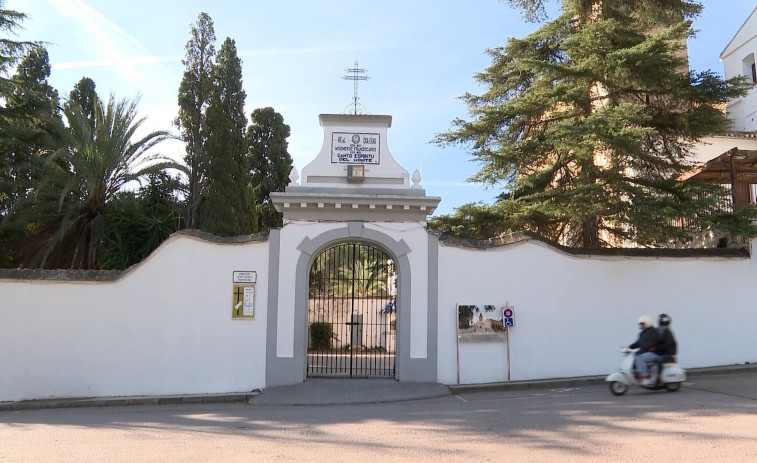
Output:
[[664, 319]]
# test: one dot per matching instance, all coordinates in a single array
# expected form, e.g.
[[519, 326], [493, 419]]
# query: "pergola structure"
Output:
[[735, 167]]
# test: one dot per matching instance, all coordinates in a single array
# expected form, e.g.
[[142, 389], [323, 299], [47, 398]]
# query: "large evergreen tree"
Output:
[[28, 106], [31, 126], [85, 95], [223, 209], [651, 12], [269, 163], [10, 50], [231, 172], [586, 125], [195, 91]]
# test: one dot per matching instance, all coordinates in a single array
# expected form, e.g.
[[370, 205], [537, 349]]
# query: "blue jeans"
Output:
[[640, 360]]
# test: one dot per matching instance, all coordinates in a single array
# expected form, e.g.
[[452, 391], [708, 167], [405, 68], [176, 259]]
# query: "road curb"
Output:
[[526, 385], [242, 397]]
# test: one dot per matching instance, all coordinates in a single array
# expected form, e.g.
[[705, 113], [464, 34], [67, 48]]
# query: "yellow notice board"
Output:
[[243, 295]]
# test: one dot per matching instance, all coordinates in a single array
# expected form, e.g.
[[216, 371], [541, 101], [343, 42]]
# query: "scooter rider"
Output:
[[647, 346], [667, 347]]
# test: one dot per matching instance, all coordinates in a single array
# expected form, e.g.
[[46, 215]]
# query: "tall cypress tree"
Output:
[[195, 92], [85, 95], [269, 163], [223, 210], [587, 123]]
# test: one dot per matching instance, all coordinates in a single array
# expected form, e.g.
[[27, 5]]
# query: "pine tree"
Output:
[[269, 163], [223, 210], [29, 124], [31, 128], [586, 125], [195, 92], [649, 12], [32, 124], [10, 50]]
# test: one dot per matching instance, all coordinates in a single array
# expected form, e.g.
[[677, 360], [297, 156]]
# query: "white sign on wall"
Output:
[[355, 148], [248, 309], [245, 277]]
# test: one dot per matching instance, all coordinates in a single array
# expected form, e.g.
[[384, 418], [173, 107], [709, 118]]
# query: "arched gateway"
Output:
[[355, 244], [352, 323]]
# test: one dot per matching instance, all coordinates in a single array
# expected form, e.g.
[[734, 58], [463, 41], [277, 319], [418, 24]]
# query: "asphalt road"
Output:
[[712, 419]]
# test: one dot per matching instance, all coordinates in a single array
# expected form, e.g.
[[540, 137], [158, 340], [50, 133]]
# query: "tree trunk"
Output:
[[590, 233]]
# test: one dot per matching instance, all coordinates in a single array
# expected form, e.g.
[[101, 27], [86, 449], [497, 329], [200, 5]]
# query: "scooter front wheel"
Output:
[[672, 387], [618, 388]]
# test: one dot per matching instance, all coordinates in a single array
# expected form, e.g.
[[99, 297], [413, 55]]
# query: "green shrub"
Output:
[[320, 335]]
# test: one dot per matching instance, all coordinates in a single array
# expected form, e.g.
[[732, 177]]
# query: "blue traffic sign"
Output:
[[509, 322]]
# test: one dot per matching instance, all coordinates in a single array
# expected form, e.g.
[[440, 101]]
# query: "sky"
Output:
[[420, 56]]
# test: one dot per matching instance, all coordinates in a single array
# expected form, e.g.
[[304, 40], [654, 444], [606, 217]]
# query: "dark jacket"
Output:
[[667, 344], [647, 342]]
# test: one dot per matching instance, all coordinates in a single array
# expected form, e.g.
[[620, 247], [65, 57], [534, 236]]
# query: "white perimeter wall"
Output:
[[163, 328], [573, 313]]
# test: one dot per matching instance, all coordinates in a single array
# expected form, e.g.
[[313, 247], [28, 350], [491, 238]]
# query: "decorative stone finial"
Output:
[[416, 179], [293, 176]]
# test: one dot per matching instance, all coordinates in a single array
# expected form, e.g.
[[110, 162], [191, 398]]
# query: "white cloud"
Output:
[[118, 61], [114, 62], [305, 50], [120, 52]]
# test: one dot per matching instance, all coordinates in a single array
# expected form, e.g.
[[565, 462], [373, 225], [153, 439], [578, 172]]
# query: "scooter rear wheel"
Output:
[[618, 388], [672, 387]]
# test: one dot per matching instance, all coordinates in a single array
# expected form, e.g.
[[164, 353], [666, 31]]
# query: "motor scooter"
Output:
[[671, 378]]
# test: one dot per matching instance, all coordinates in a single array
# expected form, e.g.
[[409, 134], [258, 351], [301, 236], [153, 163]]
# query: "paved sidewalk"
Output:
[[326, 391]]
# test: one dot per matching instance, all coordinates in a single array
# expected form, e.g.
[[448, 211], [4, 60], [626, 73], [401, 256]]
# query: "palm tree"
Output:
[[368, 272], [337, 267], [99, 159]]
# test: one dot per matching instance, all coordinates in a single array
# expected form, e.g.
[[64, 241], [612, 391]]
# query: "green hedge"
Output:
[[320, 335]]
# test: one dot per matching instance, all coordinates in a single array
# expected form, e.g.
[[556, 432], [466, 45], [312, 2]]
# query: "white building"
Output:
[[731, 158], [738, 57]]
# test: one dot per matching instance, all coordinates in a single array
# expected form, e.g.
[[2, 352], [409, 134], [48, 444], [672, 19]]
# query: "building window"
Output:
[[749, 68]]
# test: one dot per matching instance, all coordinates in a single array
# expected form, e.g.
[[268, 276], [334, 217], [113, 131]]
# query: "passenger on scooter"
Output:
[[667, 347], [646, 345]]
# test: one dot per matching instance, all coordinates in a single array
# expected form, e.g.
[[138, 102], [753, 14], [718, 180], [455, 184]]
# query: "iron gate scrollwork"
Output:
[[352, 312]]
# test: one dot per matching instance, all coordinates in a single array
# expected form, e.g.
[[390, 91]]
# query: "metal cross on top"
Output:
[[357, 108]]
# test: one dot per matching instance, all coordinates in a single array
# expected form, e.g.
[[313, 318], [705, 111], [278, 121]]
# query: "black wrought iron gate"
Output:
[[352, 312]]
